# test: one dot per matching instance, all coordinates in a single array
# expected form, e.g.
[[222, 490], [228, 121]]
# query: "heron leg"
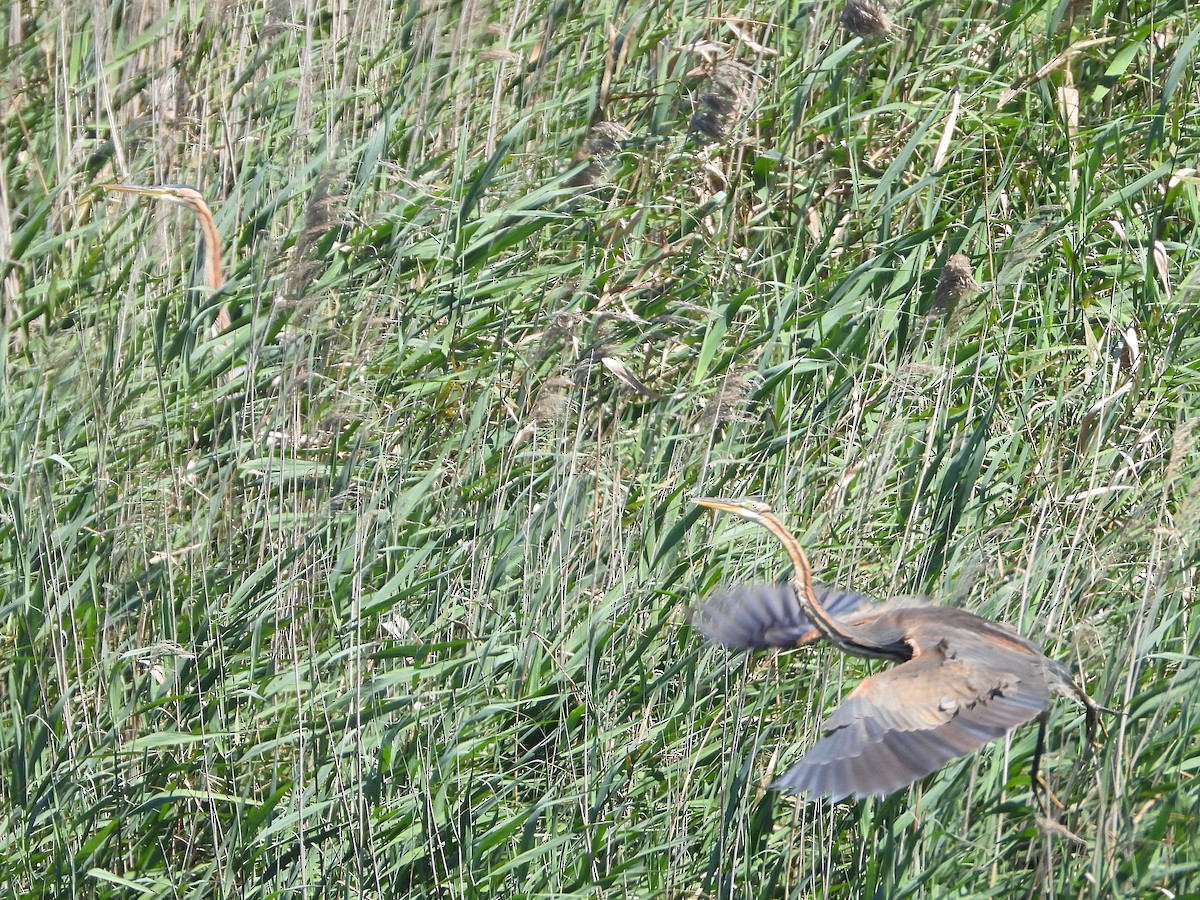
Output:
[[1035, 771]]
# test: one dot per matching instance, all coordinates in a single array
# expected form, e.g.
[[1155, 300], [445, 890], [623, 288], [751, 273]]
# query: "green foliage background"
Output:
[[384, 594]]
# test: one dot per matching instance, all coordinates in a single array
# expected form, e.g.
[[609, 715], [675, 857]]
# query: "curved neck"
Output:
[[210, 248], [849, 639]]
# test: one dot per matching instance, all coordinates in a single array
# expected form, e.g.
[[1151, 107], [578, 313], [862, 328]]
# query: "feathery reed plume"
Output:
[[553, 401], [320, 215], [867, 18], [728, 405], [604, 141], [956, 283], [719, 102]]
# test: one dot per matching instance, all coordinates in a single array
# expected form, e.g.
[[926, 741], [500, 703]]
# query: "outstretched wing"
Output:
[[756, 616], [909, 721]]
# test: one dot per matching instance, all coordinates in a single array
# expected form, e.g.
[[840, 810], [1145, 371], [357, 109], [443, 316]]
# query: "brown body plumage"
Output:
[[962, 680]]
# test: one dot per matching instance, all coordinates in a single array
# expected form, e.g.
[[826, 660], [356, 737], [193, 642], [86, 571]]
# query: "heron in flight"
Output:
[[209, 242], [961, 682]]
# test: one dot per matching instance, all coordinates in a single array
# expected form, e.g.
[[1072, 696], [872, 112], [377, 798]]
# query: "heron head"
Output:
[[181, 194], [747, 507]]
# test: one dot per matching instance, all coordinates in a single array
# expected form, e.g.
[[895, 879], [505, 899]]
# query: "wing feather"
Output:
[[761, 615], [909, 721]]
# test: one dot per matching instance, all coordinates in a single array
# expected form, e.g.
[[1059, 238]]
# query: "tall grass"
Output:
[[383, 593]]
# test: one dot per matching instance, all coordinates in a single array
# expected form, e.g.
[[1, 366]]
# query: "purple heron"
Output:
[[209, 245], [961, 682]]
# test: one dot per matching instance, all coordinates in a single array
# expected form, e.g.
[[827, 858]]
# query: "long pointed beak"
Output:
[[717, 503], [137, 189]]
